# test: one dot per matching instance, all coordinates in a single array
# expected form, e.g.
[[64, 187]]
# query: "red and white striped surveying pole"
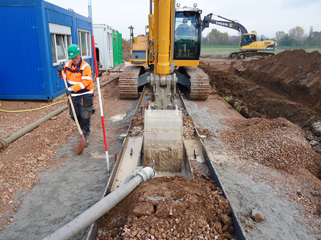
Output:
[[100, 103]]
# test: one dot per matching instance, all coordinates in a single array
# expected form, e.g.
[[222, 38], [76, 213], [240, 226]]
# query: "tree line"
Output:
[[295, 37]]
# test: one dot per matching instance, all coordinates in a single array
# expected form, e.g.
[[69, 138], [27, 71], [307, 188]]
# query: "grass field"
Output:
[[222, 51]]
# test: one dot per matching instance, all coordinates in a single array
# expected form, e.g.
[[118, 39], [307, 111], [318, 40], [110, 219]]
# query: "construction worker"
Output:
[[184, 36], [80, 87]]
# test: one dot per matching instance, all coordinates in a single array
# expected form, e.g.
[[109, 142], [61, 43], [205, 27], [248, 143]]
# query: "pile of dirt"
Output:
[[260, 98], [188, 128], [263, 89], [295, 73], [280, 145], [126, 50], [274, 143], [170, 207]]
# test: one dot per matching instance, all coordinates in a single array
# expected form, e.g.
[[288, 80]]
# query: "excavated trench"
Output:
[[286, 85], [179, 206]]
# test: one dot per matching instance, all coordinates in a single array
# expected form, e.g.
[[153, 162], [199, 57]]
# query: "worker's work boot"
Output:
[[87, 141]]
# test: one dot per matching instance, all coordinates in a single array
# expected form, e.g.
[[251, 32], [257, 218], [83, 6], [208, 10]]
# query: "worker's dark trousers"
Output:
[[84, 109]]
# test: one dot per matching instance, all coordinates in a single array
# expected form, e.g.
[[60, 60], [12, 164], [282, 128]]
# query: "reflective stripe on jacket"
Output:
[[79, 78]]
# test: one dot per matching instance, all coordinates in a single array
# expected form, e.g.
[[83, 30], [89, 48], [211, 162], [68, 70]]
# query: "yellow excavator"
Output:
[[249, 45], [170, 49]]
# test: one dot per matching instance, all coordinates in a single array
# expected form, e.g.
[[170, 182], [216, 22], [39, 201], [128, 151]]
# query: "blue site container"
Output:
[[34, 39]]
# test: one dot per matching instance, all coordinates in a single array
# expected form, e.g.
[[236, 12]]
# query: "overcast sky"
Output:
[[265, 17]]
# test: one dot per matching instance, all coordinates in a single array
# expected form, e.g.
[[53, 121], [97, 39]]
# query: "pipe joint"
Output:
[[145, 173], [3, 144]]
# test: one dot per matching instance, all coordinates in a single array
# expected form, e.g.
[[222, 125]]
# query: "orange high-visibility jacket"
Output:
[[79, 78]]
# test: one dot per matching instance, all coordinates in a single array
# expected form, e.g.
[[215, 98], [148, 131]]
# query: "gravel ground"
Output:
[[250, 185], [72, 183]]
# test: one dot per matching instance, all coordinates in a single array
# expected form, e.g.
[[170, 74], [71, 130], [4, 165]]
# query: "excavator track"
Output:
[[200, 87], [128, 82], [243, 55]]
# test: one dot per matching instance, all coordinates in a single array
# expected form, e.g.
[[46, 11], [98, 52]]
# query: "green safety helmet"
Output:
[[73, 51]]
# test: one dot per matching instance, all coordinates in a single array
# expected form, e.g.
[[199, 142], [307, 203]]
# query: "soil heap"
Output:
[[295, 73], [126, 50], [170, 207], [285, 85]]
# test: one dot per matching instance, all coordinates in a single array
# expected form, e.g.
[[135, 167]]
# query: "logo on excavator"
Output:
[[222, 24], [231, 25]]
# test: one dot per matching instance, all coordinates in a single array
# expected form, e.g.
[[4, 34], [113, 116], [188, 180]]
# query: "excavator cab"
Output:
[[187, 38], [247, 39]]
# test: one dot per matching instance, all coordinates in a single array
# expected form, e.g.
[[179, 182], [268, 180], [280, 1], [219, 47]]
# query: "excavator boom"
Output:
[[228, 23]]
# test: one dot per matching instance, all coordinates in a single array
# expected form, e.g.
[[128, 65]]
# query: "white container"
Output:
[[103, 35]]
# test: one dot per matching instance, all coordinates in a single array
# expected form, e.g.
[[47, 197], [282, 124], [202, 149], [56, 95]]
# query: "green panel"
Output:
[[117, 48]]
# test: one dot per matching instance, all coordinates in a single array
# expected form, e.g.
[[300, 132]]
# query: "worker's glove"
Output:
[[69, 90], [59, 69]]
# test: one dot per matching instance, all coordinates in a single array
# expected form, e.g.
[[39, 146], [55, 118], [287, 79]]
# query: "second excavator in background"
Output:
[[250, 45]]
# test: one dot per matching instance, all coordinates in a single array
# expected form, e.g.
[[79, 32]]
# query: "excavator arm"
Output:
[[228, 23]]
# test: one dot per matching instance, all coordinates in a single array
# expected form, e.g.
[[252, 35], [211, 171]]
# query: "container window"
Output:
[[69, 40], [61, 47], [84, 43], [53, 48], [110, 42], [60, 38]]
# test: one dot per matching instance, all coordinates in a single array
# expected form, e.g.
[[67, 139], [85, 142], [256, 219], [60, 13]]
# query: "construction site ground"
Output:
[[266, 154]]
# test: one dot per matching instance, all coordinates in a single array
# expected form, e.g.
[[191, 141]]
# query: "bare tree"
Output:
[[297, 33], [279, 35]]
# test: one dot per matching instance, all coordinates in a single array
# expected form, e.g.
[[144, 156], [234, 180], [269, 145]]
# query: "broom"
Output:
[[83, 141]]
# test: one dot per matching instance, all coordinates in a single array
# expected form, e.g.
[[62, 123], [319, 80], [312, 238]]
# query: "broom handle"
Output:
[[72, 106]]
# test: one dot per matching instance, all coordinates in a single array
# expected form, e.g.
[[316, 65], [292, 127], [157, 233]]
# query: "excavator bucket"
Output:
[[163, 140]]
